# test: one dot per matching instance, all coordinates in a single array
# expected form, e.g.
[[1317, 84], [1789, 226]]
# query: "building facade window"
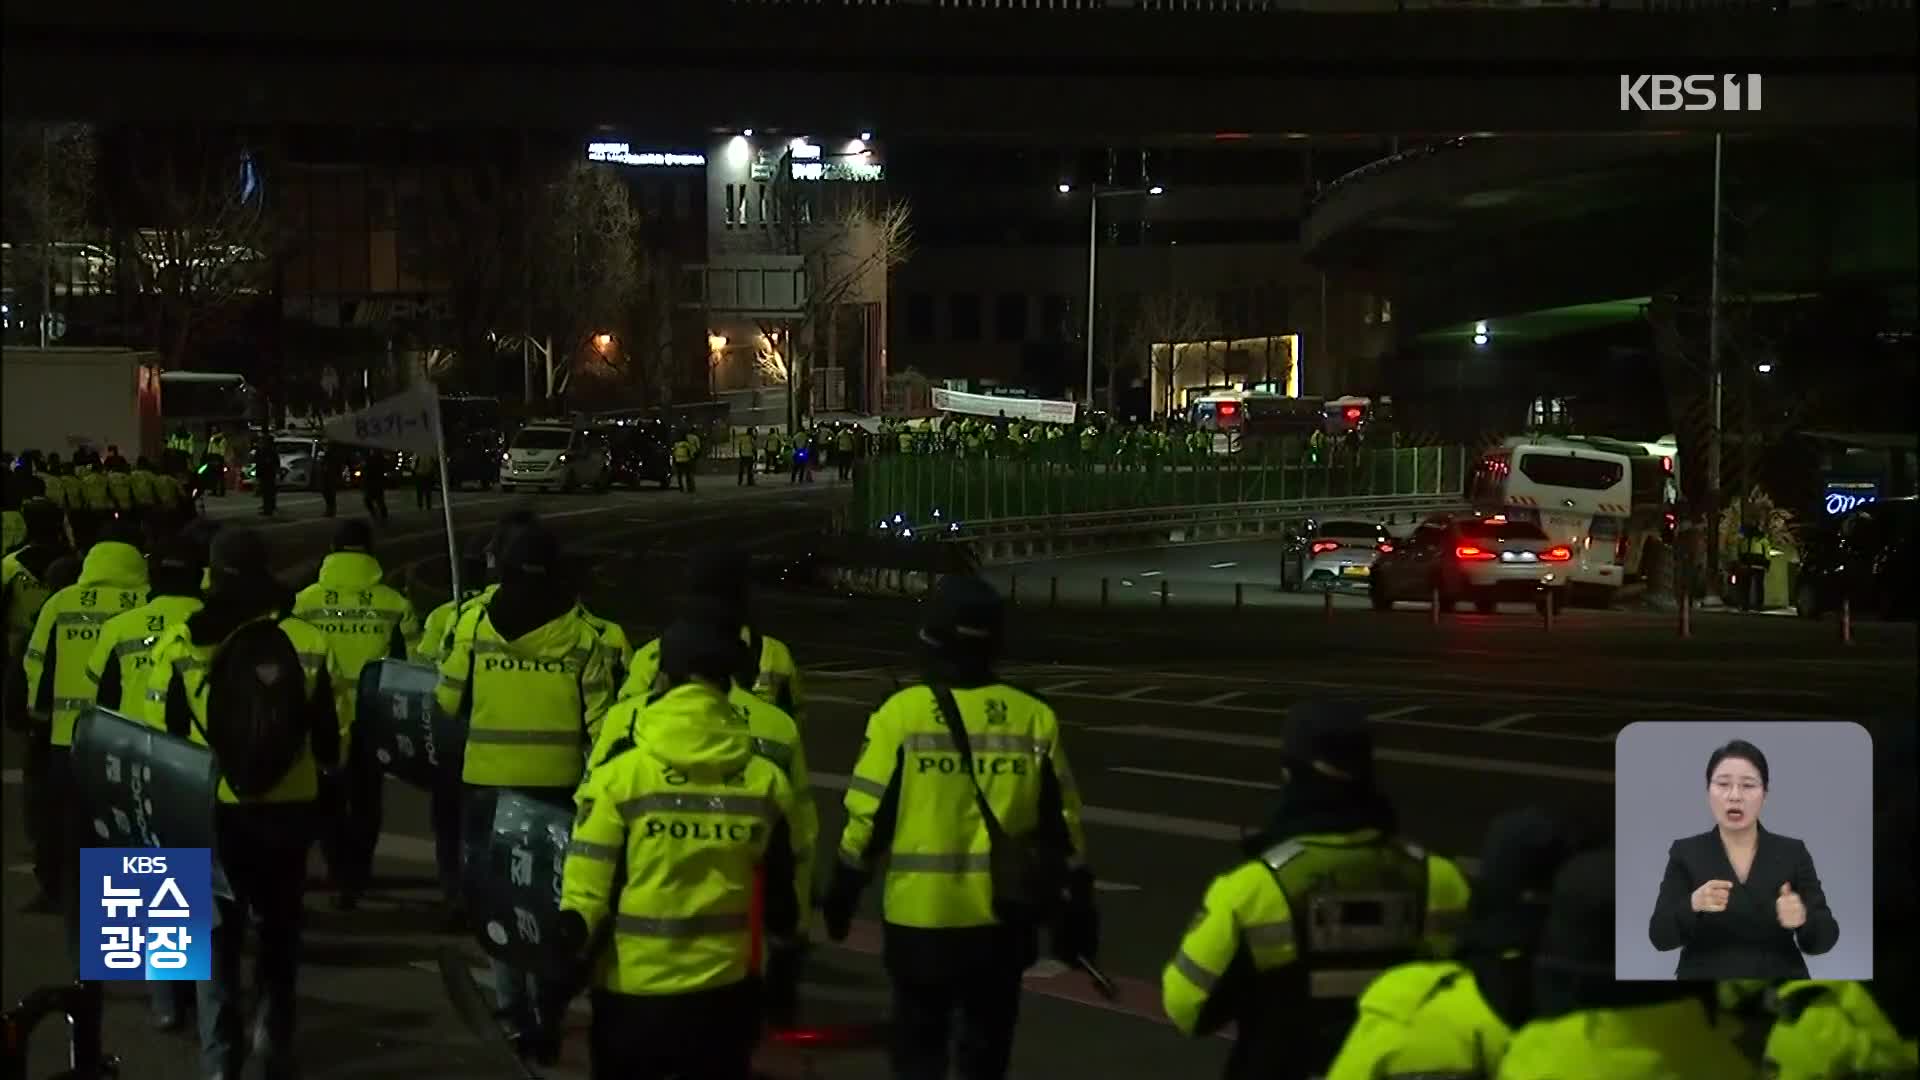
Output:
[[1010, 317], [729, 219], [919, 318], [964, 316]]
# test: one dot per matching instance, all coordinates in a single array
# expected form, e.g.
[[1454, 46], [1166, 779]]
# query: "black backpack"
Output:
[[257, 717]]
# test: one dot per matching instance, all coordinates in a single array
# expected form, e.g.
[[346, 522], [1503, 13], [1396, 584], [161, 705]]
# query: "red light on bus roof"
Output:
[[1228, 408], [1353, 413]]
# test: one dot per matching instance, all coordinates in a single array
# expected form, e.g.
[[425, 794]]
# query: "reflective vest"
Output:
[[776, 682], [15, 531], [535, 703], [1835, 1031], [1423, 1019], [937, 861], [436, 634], [143, 484], [120, 489], [112, 580], [94, 491], [743, 443], [906, 442], [363, 619], [1284, 908], [1672, 1040], [775, 737], [56, 488], [24, 595], [217, 446], [682, 452], [176, 658], [619, 649], [693, 811], [843, 442], [122, 661]]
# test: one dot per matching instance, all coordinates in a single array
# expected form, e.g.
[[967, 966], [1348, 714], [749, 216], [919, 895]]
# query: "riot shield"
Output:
[[411, 738], [513, 884], [140, 786]]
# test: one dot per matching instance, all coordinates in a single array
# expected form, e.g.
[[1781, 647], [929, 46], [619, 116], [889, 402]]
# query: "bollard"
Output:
[[1163, 592], [1434, 616], [1547, 604], [1237, 599], [1686, 617], [1846, 620], [1103, 592], [1013, 590], [1053, 591], [1326, 604]]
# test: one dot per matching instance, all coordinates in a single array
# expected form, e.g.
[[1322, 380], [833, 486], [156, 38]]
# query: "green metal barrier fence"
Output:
[[945, 488]]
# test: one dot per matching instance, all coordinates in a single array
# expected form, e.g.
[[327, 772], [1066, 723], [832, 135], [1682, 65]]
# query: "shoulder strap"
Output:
[[950, 715]]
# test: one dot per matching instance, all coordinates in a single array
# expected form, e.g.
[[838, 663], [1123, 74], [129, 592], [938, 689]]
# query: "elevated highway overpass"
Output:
[[1060, 69]]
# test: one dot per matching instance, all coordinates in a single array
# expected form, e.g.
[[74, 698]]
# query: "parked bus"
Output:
[[1583, 496], [1234, 416]]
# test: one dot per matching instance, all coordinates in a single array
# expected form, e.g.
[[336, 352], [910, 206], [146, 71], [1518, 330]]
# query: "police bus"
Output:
[[1234, 416], [1607, 500]]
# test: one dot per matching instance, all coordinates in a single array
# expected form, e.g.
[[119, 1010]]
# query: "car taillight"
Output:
[[1321, 546], [1471, 553], [1557, 554], [1386, 549]]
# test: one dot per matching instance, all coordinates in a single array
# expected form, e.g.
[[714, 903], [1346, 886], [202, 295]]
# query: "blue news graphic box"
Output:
[[146, 914]]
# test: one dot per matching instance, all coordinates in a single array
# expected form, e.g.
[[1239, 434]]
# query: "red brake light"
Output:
[[1471, 553], [1557, 554], [1386, 549], [1228, 408], [1324, 545], [1353, 414], [1666, 463]]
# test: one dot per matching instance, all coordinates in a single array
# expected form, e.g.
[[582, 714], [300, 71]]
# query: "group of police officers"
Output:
[[1337, 947]]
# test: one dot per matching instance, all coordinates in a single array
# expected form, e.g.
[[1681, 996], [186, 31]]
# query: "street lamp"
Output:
[[1096, 193]]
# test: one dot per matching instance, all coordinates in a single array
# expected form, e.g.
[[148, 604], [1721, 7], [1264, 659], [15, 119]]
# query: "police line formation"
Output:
[[636, 824]]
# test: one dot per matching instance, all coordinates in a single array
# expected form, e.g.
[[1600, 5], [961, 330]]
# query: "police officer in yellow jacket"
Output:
[[1438, 1018], [435, 641], [263, 839], [1587, 1026], [719, 575], [532, 680], [775, 737], [957, 941], [1329, 897], [26, 582], [1838, 1030], [113, 579], [701, 823], [364, 620]]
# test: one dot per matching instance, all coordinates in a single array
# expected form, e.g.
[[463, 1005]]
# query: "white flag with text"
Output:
[[408, 422]]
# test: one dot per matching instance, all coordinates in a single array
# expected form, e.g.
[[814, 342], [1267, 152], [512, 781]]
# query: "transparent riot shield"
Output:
[[413, 740], [513, 884], [141, 787]]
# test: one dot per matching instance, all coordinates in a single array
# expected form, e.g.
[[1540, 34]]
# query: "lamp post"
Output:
[[1095, 194]]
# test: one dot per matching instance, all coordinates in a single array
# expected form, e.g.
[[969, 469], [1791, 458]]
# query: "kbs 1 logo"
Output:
[[146, 914], [1689, 93]]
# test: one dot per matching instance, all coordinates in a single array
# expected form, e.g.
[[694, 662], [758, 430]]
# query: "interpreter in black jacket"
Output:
[[1740, 902]]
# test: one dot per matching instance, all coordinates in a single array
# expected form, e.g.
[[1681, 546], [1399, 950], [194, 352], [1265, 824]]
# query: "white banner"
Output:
[[407, 422], [1013, 408]]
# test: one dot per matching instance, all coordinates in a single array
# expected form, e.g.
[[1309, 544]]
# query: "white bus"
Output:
[[1594, 500]]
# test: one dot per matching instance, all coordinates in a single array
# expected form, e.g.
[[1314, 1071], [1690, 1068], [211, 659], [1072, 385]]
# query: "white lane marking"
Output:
[[1056, 688], [1151, 573], [1219, 699], [1506, 721], [1127, 695], [1463, 762], [1198, 778], [1163, 824], [1393, 714], [1114, 886], [1221, 565]]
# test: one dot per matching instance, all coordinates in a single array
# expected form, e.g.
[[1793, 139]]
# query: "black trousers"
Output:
[[352, 832], [705, 1035], [263, 848], [269, 498], [376, 503], [987, 1006], [423, 493], [745, 471], [331, 497], [44, 796]]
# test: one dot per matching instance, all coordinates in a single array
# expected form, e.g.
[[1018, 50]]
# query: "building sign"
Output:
[[859, 170], [620, 153], [1846, 495]]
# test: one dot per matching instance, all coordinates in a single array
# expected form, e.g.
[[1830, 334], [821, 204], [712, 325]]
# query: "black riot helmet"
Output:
[[46, 525], [964, 618], [510, 524]]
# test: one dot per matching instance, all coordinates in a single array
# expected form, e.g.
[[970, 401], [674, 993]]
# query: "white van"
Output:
[[554, 456]]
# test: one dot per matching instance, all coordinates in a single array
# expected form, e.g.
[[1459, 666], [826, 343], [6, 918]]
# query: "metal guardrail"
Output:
[[1154, 518]]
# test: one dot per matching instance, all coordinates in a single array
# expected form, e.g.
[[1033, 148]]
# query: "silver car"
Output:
[[1334, 556], [1485, 560]]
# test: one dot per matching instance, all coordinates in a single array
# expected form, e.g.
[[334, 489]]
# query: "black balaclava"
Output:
[[176, 568], [724, 617], [62, 572], [1507, 914], [719, 574], [243, 586], [1328, 750], [1574, 969], [534, 589], [473, 565], [700, 647], [504, 531], [353, 535], [961, 628]]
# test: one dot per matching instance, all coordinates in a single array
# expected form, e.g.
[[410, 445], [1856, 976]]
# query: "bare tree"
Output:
[[476, 247], [588, 269], [48, 199], [849, 258], [1164, 323], [203, 238]]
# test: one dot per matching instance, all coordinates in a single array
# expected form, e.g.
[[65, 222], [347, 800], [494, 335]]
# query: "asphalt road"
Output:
[[1171, 723]]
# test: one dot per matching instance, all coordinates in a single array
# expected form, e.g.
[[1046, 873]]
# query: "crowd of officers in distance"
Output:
[[1336, 944]]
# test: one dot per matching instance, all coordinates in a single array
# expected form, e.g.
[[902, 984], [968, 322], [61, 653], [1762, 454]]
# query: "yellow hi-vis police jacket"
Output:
[[94, 490], [177, 689], [1252, 908], [536, 702], [24, 594], [777, 683], [1423, 1021], [620, 653], [1835, 1031], [1671, 1040], [113, 579], [436, 633], [364, 620], [122, 662], [146, 490], [775, 737], [700, 822], [935, 844]]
